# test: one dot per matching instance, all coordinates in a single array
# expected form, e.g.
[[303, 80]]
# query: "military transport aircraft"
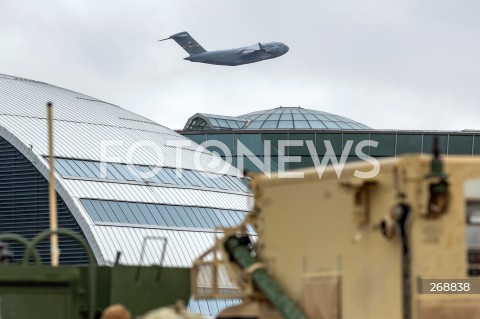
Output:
[[251, 54]]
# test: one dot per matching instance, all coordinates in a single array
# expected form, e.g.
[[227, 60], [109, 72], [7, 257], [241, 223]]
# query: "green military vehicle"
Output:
[[33, 290]]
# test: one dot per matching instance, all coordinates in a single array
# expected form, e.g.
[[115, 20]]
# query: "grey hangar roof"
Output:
[[116, 212]]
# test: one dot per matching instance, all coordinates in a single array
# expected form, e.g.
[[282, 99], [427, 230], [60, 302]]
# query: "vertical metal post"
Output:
[[54, 251]]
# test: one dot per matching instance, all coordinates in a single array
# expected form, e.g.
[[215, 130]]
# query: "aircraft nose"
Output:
[[286, 48]]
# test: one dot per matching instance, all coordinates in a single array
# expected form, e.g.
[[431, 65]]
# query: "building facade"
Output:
[[306, 136]]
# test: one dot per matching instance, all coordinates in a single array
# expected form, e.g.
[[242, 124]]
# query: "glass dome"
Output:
[[284, 118]]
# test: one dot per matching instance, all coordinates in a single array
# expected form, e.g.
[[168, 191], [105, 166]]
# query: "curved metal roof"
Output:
[[281, 118], [82, 124]]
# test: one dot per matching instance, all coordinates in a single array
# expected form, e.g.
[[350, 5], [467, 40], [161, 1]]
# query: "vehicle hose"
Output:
[[240, 253]]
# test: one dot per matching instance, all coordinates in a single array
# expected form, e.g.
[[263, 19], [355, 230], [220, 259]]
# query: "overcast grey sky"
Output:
[[405, 64]]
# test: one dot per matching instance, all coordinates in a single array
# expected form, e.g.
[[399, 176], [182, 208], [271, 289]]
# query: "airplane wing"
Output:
[[247, 52], [250, 49]]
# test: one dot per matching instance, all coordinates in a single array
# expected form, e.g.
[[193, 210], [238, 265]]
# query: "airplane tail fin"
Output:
[[188, 43]]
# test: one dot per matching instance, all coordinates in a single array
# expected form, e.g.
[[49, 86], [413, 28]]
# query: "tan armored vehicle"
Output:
[[402, 244]]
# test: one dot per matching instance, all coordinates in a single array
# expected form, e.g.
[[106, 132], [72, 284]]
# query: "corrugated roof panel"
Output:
[[182, 248]]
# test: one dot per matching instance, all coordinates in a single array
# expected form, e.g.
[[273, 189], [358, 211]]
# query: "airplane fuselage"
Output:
[[239, 56], [251, 54]]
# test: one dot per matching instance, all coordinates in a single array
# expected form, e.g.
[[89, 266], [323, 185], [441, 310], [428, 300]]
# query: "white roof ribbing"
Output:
[[81, 122]]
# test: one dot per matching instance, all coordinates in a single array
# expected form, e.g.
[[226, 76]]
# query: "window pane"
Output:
[[226, 139], [203, 306], [344, 125], [356, 138], [274, 117], [128, 212], [220, 183], [386, 144], [460, 144], [322, 117], [301, 124], [166, 215], [111, 215], [67, 167], [91, 210], [285, 124], [174, 215], [213, 217], [476, 145], [195, 180], [221, 218], [94, 168], [253, 142], [255, 124], [212, 305], [330, 117], [101, 211], [269, 124], [147, 214], [310, 117], [144, 172], [155, 213], [428, 143], [165, 177], [298, 117], [226, 181], [231, 217], [222, 123], [60, 169], [138, 213], [183, 215], [301, 138], [206, 217], [120, 215], [231, 183], [195, 220], [131, 171], [178, 180], [77, 168], [409, 143], [206, 178], [329, 124], [155, 178], [242, 184], [112, 173], [333, 140], [232, 124], [317, 124], [197, 138], [86, 169]]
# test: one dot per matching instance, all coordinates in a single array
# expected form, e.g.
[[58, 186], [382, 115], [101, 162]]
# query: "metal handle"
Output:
[[22, 240]]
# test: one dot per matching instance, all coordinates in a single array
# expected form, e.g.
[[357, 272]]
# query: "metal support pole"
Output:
[[54, 251]]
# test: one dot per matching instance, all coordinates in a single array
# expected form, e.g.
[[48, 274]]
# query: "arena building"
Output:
[[167, 215]]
